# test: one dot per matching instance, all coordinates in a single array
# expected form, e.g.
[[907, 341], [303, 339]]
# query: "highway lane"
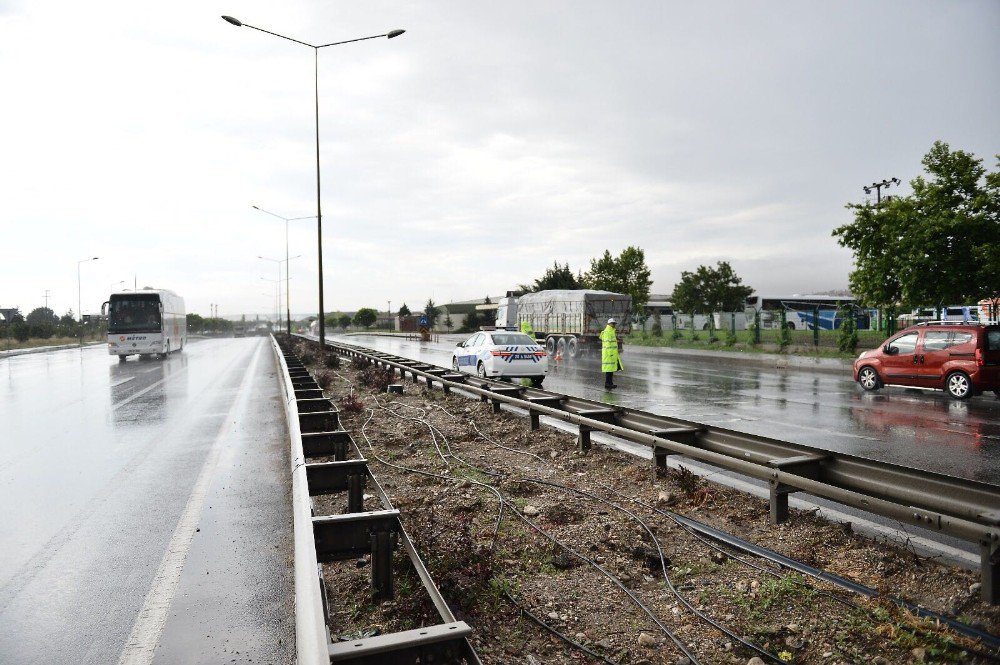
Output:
[[146, 509], [915, 428]]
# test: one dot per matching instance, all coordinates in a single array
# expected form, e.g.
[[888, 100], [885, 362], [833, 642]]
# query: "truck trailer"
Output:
[[567, 322]]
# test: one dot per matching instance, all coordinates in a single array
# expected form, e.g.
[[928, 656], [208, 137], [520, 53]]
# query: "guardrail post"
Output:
[[990, 550], [382, 542], [583, 441], [534, 416], [355, 493], [779, 501]]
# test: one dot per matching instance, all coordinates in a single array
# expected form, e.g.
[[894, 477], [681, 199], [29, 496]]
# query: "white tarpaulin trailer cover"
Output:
[[580, 312]]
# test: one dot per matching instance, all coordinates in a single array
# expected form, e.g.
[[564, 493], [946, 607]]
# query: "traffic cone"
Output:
[[558, 357]]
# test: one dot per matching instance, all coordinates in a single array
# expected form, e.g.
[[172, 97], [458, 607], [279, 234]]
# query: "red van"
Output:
[[962, 359]]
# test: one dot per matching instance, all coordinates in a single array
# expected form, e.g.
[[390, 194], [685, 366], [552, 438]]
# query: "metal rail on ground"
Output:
[[966, 509], [314, 431]]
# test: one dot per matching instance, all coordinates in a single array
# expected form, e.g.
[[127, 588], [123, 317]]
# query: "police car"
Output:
[[501, 354]]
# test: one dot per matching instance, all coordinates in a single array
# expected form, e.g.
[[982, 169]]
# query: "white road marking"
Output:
[[145, 635], [123, 381]]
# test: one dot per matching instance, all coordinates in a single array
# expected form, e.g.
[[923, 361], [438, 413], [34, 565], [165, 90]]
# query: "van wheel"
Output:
[[958, 385], [868, 379]]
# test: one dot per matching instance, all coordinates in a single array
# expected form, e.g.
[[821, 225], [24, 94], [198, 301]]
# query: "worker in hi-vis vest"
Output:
[[527, 329], [611, 361]]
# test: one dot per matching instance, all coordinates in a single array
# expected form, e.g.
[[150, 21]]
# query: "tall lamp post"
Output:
[[288, 310], [277, 296], [288, 306], [877, 186], [79, 308], [319, 208]]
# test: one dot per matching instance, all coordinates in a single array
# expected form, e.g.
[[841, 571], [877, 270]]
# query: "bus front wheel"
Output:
[[121, 358]]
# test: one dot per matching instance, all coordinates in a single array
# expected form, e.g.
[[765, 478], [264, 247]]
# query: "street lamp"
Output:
[[877, 186], [287, 279], [79, 308], [112, 287], [319, 209], [277, 294], [288, 306]]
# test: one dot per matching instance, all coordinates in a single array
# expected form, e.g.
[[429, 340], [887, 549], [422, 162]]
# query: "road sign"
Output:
[[423, 321]]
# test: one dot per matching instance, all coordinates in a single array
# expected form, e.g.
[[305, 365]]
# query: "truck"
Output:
[[567, 322]]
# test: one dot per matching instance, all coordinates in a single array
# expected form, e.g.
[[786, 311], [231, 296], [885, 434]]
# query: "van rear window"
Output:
[[993, 339]]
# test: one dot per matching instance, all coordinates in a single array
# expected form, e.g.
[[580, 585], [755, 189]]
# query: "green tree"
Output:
[[343, 320], [708, 290], [195, 323], [556, 277], [404, 310], [365, 317], [847, 338], [448, 323], [41, 315], [937, 246], [473, 320], [626, 273], [432, 311]]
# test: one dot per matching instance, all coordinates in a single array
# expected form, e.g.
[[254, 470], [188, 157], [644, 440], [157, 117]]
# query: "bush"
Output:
[[730, 338], [785, 337], [325, 378], [360, 364], [378, 378], [331, 360], [847, 340], [351, 403]]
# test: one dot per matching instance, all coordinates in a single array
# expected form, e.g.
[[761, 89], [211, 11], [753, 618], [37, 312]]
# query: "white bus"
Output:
[[800, 311], [145, 323]]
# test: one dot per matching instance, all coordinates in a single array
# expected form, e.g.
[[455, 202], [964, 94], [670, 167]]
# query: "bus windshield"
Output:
[[134, 313]]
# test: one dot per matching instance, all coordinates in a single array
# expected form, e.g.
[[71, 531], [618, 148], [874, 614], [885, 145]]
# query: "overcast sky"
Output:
[[466, 156]]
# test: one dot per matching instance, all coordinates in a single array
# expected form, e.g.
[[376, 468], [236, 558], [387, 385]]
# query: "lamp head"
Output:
[[392, 33], [233, 21]]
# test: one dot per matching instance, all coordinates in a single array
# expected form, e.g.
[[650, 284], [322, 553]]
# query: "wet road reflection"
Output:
[[827, 410], [97, 465]]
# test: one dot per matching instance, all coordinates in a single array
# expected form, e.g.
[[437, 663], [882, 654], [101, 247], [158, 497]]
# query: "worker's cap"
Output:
[[612, 321]]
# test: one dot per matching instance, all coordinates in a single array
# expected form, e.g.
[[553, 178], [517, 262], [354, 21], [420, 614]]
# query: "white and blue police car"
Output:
[[501, 354]]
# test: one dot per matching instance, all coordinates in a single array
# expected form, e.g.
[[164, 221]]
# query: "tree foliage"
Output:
[[626, 273], [432, 311], [708, 290], [937, 246], [365, 317], [404, 310], [556, 277], [41, 315]]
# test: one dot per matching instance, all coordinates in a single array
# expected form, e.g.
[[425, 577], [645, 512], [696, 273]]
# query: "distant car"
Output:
[[500, 354], [963, 359]]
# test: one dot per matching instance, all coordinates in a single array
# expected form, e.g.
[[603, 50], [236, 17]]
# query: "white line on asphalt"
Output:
[[145, 635], [123, 381]]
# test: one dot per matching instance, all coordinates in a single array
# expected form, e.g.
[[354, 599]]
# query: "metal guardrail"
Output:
[[314, 430], [965, 509]]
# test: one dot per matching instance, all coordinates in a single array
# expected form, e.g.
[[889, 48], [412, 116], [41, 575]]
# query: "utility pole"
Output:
[[877, 186], [46, 298]]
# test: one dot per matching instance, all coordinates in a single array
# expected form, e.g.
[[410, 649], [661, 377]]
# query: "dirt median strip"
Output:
[[442, 453]]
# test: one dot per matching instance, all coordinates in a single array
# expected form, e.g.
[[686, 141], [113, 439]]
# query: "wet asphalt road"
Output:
[[146, 508], [914, 428]]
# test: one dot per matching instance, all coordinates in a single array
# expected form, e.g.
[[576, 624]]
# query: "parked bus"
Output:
[[145, 323], [801, 311]]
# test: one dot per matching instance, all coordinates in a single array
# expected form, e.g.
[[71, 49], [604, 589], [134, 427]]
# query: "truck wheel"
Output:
[[550, 345], [561, 347], [121, 358], [573, 347]]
